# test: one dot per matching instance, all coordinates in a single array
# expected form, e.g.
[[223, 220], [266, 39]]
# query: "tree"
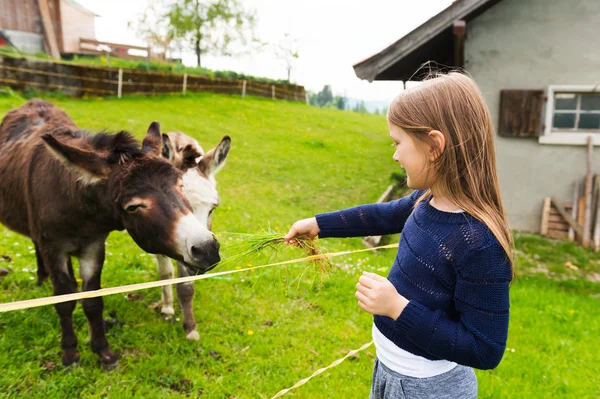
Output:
[[154, 26], [325, 95], [286, 51], [325, 99], [210, 26], [360, 108]]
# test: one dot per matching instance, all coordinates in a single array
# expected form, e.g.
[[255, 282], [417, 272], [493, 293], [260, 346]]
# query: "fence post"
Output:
[[120, 88], [184, 83], [148, 54], [244, 89], [273, 91]]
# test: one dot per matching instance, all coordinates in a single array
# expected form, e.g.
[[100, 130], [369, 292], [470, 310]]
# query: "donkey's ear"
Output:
[[152, 143], [89, 165], [214, 160], [167, 148]]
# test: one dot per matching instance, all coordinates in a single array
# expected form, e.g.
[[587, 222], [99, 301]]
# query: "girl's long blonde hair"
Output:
[[465, 170]]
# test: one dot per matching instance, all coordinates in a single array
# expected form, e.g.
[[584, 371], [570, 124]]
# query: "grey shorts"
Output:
[[460, 382]]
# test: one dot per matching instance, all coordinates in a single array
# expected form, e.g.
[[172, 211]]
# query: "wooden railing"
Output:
[[96, 47]]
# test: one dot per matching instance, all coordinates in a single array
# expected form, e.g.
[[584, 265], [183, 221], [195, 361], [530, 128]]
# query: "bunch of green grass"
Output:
[[251, 246]]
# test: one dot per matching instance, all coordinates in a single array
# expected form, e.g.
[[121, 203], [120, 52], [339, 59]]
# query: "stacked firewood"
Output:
[[578, 220]]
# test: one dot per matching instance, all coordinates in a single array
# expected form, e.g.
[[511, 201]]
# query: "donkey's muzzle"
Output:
[[206, 255]]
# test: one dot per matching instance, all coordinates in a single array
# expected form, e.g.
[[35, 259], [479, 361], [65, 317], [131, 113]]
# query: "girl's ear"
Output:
[[439, 144]]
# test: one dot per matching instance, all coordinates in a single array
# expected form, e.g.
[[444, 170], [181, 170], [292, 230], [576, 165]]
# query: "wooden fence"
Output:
[[80, 80]]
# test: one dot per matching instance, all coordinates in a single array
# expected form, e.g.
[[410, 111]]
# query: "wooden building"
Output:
[[56, 27], [52, 26]]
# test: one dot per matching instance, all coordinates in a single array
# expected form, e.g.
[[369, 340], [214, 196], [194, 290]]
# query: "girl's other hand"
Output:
[[305, 227], [378, 296]]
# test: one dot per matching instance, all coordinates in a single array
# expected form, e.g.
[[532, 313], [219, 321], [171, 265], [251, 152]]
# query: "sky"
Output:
[[331, 36]]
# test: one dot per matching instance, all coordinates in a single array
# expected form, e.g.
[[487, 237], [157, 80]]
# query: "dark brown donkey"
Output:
[[68, 190]]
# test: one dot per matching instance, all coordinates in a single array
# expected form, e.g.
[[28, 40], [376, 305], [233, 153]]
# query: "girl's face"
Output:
[[410, 158]]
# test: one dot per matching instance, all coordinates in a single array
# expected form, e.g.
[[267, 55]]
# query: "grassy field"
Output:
[[263, 331]]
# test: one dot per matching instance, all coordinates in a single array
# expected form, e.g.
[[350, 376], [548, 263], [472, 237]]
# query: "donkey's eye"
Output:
[[134, 208]]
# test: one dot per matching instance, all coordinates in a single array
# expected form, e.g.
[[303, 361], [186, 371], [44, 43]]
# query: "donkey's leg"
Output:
[[42, 273], [42, 269], [185, 293], [91, 260], [57, 263], [165, 271]]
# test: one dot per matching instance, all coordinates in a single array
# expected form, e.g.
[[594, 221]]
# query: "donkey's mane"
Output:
[[121, 147]]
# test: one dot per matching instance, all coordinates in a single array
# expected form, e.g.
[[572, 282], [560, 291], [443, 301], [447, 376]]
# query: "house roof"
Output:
[[431, 41], [80, 7]]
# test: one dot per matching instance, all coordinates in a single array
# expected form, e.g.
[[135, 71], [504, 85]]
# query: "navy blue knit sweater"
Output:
[[452, 270]]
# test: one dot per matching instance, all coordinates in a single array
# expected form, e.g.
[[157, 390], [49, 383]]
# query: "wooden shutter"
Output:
[[521, 113]]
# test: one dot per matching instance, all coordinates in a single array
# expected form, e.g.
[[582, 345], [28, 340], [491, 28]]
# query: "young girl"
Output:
[[443, 309]]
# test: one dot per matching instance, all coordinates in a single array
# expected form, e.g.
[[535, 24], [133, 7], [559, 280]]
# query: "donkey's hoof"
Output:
[[167, 310], [193, 335], [109, 360], [70, 358]]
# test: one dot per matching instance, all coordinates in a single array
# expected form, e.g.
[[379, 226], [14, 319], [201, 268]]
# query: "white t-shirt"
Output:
[[404, 362]]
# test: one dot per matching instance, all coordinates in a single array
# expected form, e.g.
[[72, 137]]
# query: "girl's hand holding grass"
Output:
[[378, 296], [305, 227]]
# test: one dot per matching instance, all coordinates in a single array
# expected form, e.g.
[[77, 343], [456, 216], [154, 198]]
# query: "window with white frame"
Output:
[[576, 112], [572, 115]]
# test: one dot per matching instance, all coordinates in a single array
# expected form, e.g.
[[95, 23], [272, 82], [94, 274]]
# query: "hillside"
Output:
[[263, 331]]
